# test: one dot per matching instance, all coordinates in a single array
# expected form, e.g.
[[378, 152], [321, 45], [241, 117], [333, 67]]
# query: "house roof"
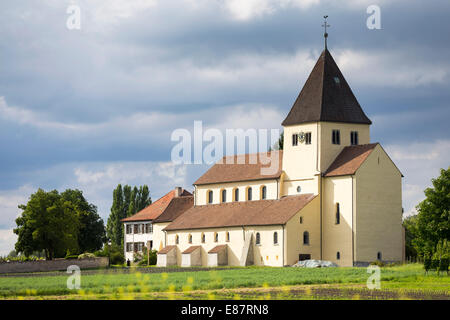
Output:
[[350, 159], [218, 248], [175, 208], [191, 249], [243, 213], [238, 168], [166, 249], [158, 207], [323, 98]]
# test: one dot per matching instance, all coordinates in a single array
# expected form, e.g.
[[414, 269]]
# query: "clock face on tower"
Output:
[[301, 137]]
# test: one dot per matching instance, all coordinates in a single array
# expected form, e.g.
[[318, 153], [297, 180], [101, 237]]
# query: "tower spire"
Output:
[[325, 25]]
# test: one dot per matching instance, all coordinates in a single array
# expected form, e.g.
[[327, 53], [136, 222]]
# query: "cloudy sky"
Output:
[[95, 107]]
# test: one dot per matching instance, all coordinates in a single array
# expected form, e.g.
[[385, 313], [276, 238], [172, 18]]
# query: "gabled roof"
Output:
[[326, 96], [242, 213], [238, 168], [158, 207], [349, 160], [175, 208]]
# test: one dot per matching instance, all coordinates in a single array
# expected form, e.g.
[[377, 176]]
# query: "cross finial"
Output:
[[325, 25]]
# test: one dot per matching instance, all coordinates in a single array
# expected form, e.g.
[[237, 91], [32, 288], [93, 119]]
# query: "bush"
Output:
[[116, 258], [86, 255], [443, 264], [142, 258], [377, 263], [74, 256]]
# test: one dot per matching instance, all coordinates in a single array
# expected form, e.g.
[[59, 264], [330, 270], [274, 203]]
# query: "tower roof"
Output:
[[326, 96]]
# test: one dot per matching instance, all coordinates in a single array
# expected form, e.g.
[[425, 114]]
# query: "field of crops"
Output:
[[398, 282]]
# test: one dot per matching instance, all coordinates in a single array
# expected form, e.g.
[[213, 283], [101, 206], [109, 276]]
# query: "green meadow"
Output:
[[406, 281]]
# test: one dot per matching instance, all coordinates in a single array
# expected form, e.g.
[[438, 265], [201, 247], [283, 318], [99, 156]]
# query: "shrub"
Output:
[[116, 258], [377, 263], [443, 264], [142, 258], [86, 255], [70, 257]]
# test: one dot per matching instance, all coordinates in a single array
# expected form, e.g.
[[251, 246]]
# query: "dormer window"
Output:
[[336, 137], [354, 138]]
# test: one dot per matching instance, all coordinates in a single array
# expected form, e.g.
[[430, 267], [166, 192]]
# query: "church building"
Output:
[[337, 196]]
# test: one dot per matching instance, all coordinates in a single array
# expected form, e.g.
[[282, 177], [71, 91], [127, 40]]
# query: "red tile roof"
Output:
[[158, 207], [242, 213], [349, 160], [218, 248], [238, 168], [191, 249], [166, 249]]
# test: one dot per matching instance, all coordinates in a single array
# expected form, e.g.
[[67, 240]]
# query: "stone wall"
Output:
[[53, 265]]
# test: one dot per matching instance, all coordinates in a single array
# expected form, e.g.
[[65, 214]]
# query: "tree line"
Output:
[[65, 224]]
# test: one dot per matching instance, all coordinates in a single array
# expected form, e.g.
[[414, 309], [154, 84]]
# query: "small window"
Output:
[[338, 214], [301, 220], [216, 237], [275, 238], [337, 80], [295, 139], [338, 255], [177, 239], [249, 193], [228, 237], [129, 229], [308, 138], [379, 256], [299, 189], [203, 238], [224, 195], [258, 239], [354, 138], [210, 196], [236, 194], [263, 192], [190, 238], [336, 137], [306, 238], [136, 228]]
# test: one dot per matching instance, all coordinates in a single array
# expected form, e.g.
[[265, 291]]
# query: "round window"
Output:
[[299, 189]]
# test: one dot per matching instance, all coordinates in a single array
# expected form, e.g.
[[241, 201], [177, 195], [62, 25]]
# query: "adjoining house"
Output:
[[143, 229], [336, 195]]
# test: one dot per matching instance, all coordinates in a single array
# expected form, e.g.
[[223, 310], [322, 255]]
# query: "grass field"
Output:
[[399, 282]]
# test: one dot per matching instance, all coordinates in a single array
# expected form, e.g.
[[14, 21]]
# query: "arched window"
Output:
[[177, 239], [190, 238], [258, 238], [306, 237], [210, 196], [275, 238], [228, 237], [249, 193], [236, 194], [216, 237], [379, 256], [338, 214], [224, 195], [263, 192], [338, 255], [301, 220], [203, 238]]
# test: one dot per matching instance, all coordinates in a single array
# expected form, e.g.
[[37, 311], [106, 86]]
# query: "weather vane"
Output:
[[325, 25]]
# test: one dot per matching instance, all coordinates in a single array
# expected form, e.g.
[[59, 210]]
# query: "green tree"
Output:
[[279, 144], [433, 219], [91, 234], [410, 224], [126, 202], [48, 223]]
